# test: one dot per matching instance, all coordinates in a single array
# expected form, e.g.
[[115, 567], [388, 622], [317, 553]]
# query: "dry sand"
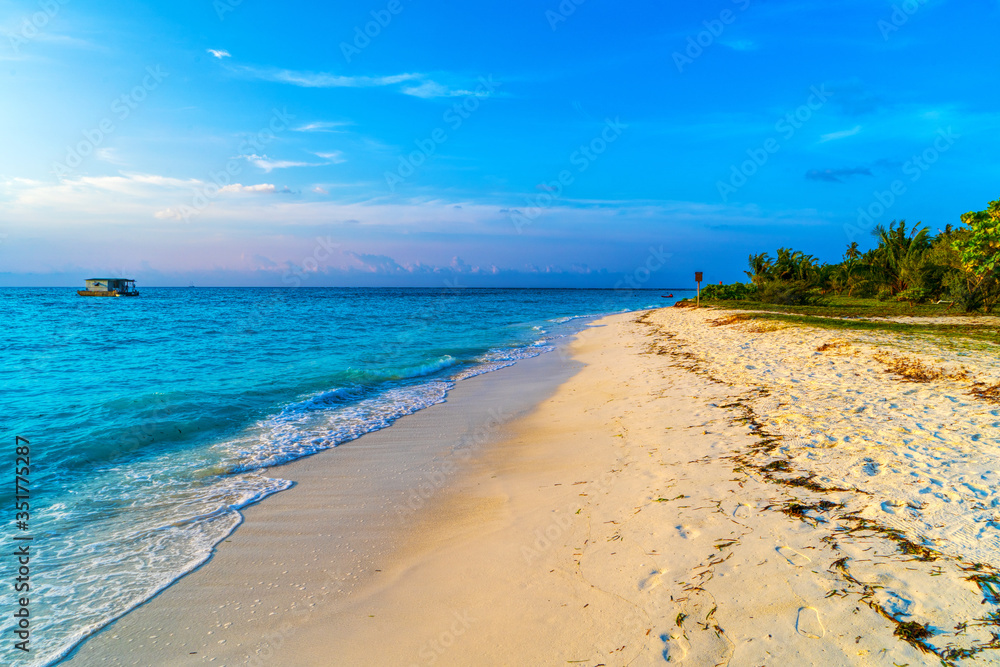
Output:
[[703, 495]]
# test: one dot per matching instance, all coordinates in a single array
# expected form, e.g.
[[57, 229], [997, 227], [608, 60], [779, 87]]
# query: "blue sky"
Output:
[[517, 143]]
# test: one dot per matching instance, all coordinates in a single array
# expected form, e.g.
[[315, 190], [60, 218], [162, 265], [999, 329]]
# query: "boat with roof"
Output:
[[109, 287]]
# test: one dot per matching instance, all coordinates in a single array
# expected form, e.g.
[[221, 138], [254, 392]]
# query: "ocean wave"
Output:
[[494, 360], [430, 368], [302, 429], [564, 320]]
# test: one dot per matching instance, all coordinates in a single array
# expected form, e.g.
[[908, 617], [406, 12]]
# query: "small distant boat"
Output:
[[109, 287], [667, 296]]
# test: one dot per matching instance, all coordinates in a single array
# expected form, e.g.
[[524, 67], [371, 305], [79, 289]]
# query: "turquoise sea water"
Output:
[[153, 420]]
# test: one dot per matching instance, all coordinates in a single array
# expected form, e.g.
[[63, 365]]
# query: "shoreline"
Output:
[[382, 480], [695, 492]]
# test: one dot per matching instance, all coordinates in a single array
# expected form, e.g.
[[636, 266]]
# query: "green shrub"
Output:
[[966, 300], [914, 295], [789, 293], [734, 292]]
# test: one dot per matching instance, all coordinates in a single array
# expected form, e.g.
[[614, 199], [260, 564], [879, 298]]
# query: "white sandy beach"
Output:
[[695, 494]]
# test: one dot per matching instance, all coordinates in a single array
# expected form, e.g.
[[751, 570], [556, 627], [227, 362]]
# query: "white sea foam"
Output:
[[171, 529], [311, 426], [497, 359]]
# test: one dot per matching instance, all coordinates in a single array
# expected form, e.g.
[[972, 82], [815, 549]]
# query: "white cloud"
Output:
[[323, 79], [19, 181], [66, 40], [135, 196], [220, 53], [432, 89], [269, 165], [260, 187], [335, 157], [179, 213], [834, 136], [322, 126], [156, 210], [110, 155], [422, 86]]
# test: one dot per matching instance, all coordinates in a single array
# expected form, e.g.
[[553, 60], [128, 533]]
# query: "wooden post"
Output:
[[698, 275]]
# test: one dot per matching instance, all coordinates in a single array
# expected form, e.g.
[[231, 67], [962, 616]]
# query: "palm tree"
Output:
[[794, 265], [847, 275], [900, 253], [760, 268]]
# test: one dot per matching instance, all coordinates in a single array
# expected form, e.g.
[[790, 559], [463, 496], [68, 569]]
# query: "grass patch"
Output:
[[837, 320], [911, 369], [752, 323], [986, 392], [845, 306], [731, 319]]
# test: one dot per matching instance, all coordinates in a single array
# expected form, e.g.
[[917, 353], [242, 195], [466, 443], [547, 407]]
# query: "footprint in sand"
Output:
[[654, 579], [677, 646], [808, 623], [979, 491], [687, 532], [793, 556], [742, 511], [897, 605], [871, 467], [892, 506]]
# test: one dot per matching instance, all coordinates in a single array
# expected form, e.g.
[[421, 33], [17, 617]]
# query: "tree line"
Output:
[[958, 265]]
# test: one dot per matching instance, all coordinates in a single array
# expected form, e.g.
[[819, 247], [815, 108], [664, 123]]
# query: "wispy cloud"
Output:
[[172, 213], [855, 98], [136, 195], [269, 165], [335, 157], [837, 175], [259, 188], [843, 134], [110, 155], [432, 89], [322, 79], [68, 40], [220, 53], [14, 36], [322, 126], [419, 84]]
